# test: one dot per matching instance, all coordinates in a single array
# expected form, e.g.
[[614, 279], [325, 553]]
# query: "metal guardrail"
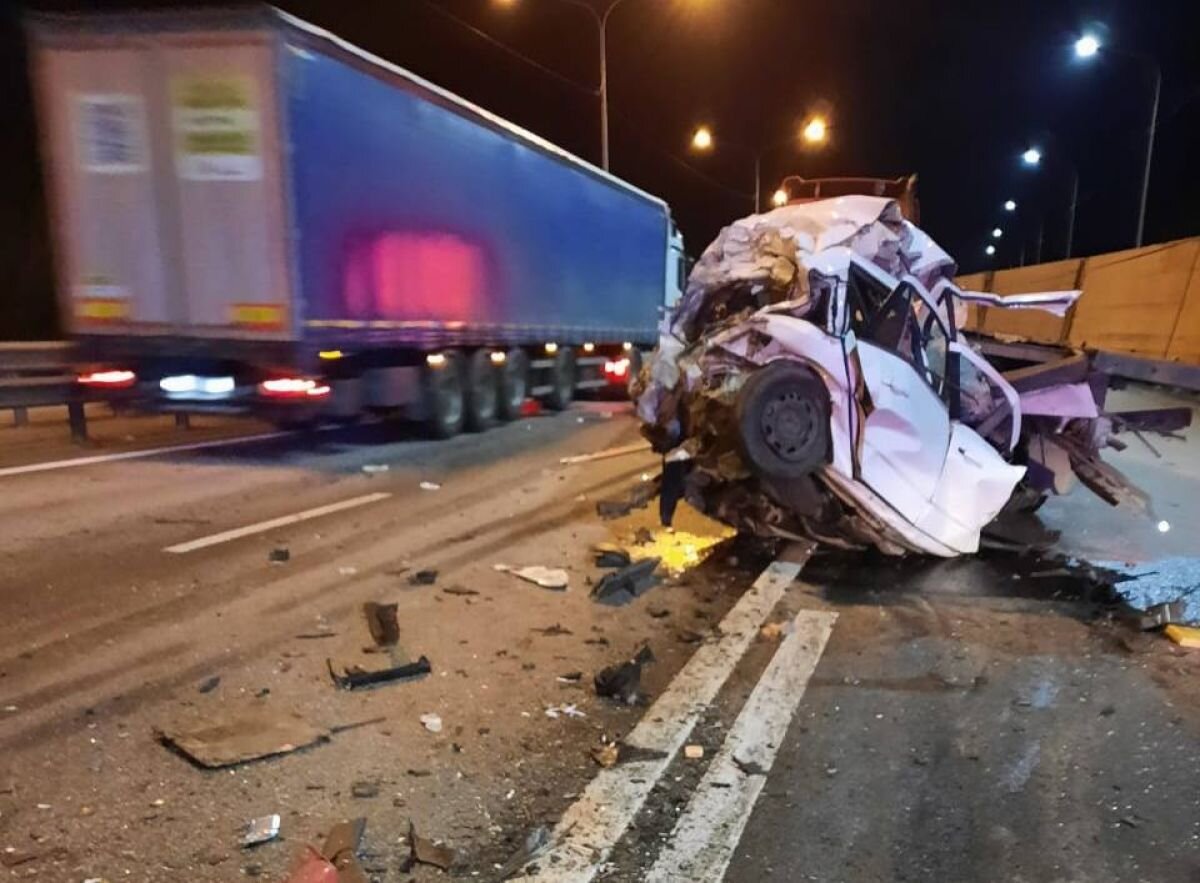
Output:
[[39, 374]]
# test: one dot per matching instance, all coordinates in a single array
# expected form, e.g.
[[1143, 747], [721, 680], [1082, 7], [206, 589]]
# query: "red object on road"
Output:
[[531, 408], [313, 868]]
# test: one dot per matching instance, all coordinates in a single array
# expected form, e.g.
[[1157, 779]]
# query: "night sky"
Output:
[[953, 90]]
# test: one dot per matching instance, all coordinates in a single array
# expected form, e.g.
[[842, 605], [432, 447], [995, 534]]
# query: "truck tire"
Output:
[[514, 384], [782, 416], [562, 379], [444, 397], [482, 391]]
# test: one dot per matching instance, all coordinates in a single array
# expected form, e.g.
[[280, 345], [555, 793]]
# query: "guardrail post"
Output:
[[78, 418], [20, 416], [183, 420]]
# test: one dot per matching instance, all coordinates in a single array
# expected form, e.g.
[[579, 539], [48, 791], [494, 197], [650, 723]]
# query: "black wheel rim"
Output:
[[790, 424]]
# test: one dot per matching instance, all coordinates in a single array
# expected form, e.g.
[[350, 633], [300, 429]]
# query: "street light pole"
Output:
[[1086, 47], [1074, 206], [757, 181], [1141, 226], [601, 20]]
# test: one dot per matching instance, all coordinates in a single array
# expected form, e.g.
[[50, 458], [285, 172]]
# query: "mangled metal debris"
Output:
[[812, 383], [230, 741]]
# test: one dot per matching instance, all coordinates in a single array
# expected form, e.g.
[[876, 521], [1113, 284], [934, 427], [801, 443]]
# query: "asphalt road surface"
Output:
[[978, 719]]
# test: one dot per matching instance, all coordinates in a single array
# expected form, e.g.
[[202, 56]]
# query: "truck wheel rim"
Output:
[[789, 424]]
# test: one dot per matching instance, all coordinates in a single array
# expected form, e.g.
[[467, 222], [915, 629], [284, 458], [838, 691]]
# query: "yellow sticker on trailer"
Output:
[[95, 309], [261, 317]]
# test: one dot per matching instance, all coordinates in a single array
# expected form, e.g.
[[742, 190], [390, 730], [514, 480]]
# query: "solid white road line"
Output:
[[591, 826], [283, 521], [135, 455], [709, 830]]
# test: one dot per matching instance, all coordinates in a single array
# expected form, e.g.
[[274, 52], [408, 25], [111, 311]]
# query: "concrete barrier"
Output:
[[1144, 301]]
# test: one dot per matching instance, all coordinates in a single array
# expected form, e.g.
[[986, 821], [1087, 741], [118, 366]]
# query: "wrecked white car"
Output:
[[812, 383]]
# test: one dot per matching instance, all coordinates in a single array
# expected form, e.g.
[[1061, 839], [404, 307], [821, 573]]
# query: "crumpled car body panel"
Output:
[[926, 440]]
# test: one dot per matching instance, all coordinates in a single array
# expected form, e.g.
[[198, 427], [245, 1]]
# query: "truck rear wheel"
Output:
[[562, 379], [444, 398], [481, 391], [514, 384]]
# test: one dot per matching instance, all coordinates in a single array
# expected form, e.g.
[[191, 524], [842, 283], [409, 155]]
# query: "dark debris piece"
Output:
[[356, 678], [623, 681], [381, 620], [622, 586], [423, 578]]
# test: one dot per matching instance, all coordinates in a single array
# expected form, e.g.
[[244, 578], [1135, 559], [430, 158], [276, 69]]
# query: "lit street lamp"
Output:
[[779, 198], [1031, 157], [814, 132], [990, 251], [997, 232], [1088, 46], [1010, 205]]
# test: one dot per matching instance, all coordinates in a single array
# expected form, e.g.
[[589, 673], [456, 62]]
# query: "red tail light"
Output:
[[616, 369], [114, 379], [293, 388]]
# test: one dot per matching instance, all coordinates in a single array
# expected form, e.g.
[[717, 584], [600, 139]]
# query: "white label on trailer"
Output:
[[216, 128], [111, 134]]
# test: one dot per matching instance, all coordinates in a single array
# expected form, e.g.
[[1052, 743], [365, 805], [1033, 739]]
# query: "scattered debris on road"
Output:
[[693, 752], [364, 788], [350, 570], [209, 684], [631, 581], [571, 677], [536, 843], [382, 623], [610, 555], [432, 722], [430, 486], [461, 591], [427, 852], [423, 578], [623, 681], [355, 677], [606, 754], [261, 830], [232, 740], [1170, 585], [572, 710], [313, 868], [279, 555], [552, 631], [374, 468], [1184, 636], [547, 577], [639, 497]]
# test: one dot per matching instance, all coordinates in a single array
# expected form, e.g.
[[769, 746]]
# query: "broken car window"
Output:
[[864, 296]]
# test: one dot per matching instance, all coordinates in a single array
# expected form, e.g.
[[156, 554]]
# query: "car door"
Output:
[[907, 429]]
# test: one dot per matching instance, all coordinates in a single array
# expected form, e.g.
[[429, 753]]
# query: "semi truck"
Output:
[[251, 214]]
